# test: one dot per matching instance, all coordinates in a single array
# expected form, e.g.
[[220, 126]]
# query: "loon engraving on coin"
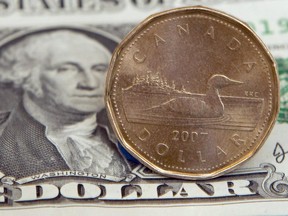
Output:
[[192, 92]]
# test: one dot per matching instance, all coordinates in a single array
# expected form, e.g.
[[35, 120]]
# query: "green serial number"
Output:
[[266, 27]]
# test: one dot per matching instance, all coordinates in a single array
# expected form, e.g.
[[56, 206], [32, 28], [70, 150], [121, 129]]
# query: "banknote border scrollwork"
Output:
[[275, 184]]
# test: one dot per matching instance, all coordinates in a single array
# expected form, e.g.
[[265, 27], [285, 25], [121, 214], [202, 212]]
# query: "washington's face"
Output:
[[75, 81]]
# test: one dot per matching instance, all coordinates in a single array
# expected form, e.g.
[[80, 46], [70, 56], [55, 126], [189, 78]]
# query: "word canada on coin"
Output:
[[192, 92]]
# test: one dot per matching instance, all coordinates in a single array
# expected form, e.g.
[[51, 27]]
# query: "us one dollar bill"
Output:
[[57, 148]]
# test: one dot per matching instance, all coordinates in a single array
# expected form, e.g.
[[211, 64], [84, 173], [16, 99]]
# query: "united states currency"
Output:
[[57, 145]]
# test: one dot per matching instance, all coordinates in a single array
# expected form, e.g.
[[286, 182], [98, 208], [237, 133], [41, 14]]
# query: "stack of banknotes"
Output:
[[54, 57]]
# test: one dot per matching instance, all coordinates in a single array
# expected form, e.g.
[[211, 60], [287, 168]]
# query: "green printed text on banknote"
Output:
[[282, 64]]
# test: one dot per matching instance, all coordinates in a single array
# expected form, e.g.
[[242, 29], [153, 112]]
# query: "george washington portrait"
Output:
[[58, 121]]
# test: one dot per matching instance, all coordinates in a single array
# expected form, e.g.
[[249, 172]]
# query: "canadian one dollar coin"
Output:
[[192, 92]]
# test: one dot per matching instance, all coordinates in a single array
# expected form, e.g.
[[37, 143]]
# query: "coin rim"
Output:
[[177, 174]]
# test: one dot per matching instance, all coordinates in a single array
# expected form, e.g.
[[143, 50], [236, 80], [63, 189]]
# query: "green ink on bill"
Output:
[[283, 76]]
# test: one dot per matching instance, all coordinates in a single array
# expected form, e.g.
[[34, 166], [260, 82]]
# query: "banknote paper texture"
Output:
[[56, 144]]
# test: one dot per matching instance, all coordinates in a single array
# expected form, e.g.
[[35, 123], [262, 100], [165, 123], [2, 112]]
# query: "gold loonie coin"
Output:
[[192, 92]]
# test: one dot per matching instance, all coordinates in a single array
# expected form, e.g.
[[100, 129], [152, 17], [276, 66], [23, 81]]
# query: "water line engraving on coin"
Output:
[[183, 107], [200, 88]]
